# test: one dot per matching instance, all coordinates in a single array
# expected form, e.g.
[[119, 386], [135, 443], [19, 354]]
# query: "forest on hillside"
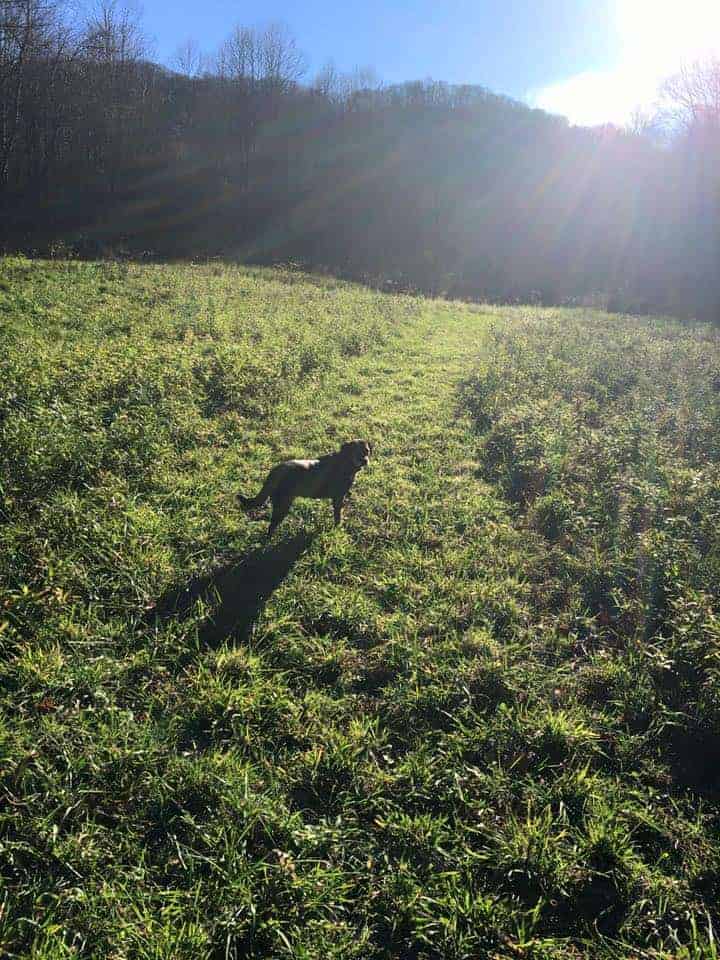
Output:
[[445, 189]]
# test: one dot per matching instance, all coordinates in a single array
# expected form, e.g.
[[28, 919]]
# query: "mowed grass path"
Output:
[[365, 742], [420, 501]]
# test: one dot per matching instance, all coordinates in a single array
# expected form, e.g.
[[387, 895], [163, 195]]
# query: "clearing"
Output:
[[479, 720]]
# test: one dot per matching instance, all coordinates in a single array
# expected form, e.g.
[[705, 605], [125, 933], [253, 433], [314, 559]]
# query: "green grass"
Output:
[[479, 720]]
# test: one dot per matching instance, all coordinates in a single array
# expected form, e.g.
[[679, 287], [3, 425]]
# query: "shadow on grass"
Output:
[[236, 592]]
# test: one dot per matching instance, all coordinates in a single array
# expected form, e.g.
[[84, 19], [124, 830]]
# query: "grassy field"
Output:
[[482, 719]]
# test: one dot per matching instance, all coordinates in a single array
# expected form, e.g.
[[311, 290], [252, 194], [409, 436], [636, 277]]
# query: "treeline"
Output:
[[424, 185]]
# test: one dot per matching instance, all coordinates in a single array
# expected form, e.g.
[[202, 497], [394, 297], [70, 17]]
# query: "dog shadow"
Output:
[[236, 592]]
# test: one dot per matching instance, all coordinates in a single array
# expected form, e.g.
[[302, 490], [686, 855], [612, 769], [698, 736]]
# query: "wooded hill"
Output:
[[446, 189]]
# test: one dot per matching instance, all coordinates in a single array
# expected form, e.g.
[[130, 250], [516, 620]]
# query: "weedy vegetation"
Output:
[[479, 720]]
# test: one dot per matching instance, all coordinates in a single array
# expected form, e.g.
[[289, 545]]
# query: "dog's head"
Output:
[[358, 452]]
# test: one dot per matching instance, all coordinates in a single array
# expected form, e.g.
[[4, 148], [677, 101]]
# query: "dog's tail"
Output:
[[268, 488]]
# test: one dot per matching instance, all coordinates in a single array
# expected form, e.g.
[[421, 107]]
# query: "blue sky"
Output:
[[593, 60], [510, 46]]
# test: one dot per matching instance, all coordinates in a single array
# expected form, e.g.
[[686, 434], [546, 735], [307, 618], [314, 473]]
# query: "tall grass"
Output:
[[478, 721], [606, 435]]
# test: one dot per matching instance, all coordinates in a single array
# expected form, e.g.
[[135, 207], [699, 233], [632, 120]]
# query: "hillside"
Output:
[[479, 720]]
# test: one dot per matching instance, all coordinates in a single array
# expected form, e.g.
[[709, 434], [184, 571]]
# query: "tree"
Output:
[[30, 30], [692, 96], [189, 59], [282, 62], [691, 109], [269, 56], [113, 35], [328, 80]]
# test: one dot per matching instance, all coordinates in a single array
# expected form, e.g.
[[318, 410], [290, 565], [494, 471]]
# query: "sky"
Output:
[[594, 61]]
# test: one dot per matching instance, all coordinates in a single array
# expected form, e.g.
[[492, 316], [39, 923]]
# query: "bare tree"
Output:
[[239, 56], [335, 85], [113, 47], [269, 55], [328, 80], [189, 59], [113, 34], [359, 87], [30, 30], [692, 96], [282, 62]]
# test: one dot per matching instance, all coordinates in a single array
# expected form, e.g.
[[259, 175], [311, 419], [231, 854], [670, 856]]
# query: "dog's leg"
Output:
[[338, 510], [253, 503], [281, 508]]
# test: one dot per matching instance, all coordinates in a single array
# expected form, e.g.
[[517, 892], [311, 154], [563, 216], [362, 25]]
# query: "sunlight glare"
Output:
[[657, 37]]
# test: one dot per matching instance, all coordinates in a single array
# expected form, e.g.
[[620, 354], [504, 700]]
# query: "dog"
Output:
[[328, 478]]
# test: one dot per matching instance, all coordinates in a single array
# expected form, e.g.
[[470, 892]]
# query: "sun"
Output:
[[658, 36]]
